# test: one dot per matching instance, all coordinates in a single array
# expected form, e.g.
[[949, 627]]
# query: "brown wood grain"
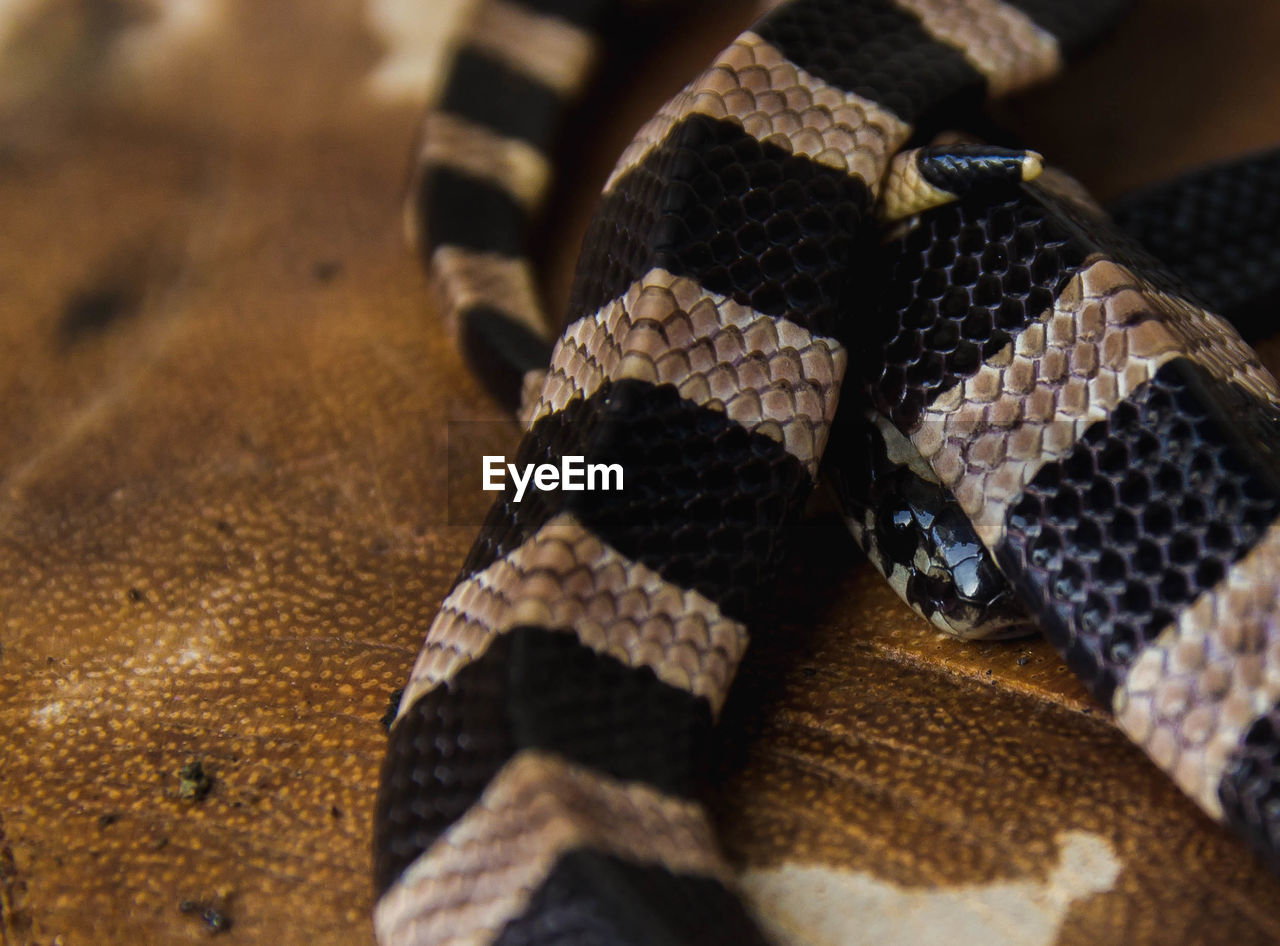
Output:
[[225, 517]]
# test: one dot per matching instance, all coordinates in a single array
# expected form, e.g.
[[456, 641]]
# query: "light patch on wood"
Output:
[[169, 28], [189, 656], [419, 38], [818, 905], [12, 15], [150, 660], [50, 714]]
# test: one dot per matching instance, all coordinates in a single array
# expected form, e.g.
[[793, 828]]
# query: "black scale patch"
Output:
[[467, 212], [532, 689], [485, 91], [705, 502], [1217, 229], [594, 899], [1250, 788], [747, 220], [878, 51], [502, 351], [1155, 503]]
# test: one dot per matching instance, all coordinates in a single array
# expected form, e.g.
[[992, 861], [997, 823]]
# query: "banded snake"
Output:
[[539, 784]]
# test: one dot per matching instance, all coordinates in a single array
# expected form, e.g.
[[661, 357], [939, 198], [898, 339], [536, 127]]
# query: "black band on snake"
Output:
[[1110, 443]]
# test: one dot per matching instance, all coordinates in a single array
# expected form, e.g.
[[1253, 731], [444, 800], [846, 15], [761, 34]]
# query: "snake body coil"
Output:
[[1112, 444]]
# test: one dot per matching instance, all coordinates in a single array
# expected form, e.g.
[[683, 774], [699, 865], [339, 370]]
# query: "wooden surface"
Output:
[[224, 520]]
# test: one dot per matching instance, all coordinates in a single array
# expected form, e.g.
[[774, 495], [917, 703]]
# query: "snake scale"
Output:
[[1113, 446]]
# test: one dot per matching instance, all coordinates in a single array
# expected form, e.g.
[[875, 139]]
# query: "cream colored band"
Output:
[[483, 871], [448, 140], [546, 48], [563, 577], [470, 278], [777, 102], [1000, 41], [767, 374]]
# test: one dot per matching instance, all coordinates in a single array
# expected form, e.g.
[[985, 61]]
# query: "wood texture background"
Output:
[[225, 402]]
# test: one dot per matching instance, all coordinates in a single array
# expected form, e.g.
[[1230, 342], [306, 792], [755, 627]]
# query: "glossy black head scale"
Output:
[[960, 169], [915, 533]]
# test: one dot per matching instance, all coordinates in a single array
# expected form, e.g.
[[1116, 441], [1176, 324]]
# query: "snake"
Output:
[[793, 254]]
